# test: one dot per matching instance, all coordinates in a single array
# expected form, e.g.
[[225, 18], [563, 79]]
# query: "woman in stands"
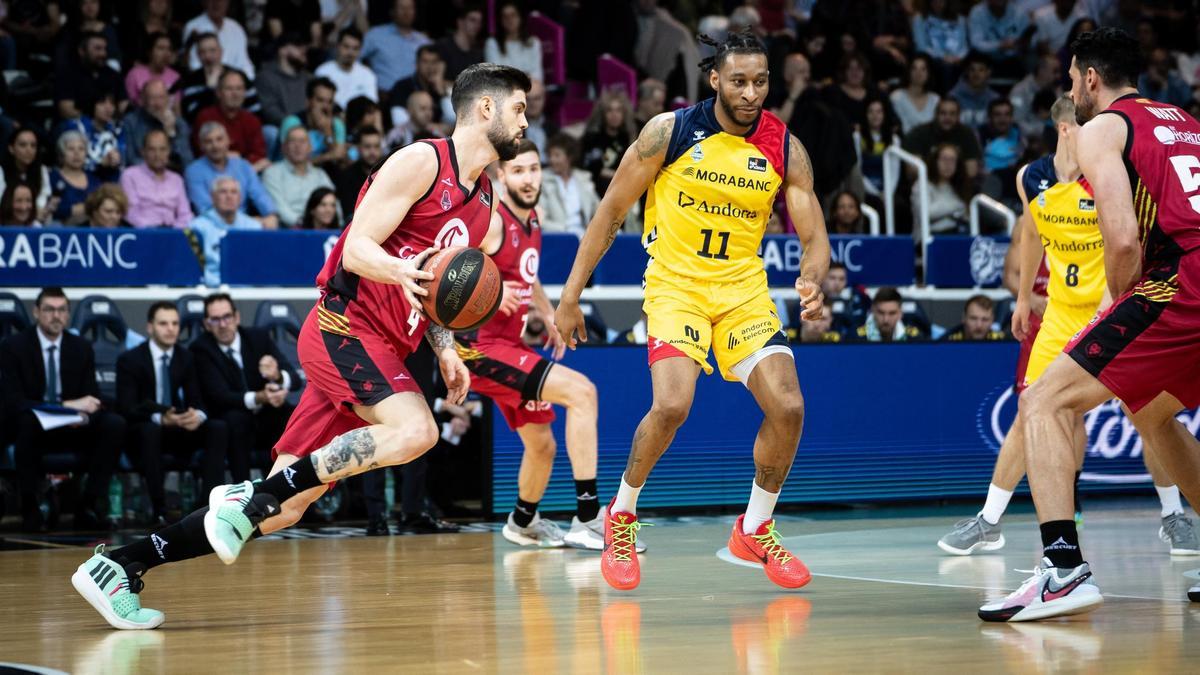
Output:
[[847, 215], [514, 46], [949, 190], [609, 132], [321, 212], [106, 207], [17, 207], [23, 164], [915, 102], [70, 183]]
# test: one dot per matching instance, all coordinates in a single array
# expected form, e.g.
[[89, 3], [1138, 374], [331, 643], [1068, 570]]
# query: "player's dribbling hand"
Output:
[[510, 303], [568, 321], [1020, 319], [455, 375], [811, 298], [409, 275]]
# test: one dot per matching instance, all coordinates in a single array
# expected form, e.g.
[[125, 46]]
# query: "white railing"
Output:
[[892, 158], [984, 201], [872, 217]]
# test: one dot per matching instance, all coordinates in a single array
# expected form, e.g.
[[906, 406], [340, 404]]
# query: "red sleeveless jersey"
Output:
[[517, 259], [448, 215], [1162, 156]]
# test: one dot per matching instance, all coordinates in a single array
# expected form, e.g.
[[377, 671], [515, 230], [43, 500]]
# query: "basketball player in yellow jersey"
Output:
[[1060, 221], [713, 171]]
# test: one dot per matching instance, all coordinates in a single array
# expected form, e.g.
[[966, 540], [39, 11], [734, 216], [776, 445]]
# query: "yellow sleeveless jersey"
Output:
[[709, 205], [1065, 215]]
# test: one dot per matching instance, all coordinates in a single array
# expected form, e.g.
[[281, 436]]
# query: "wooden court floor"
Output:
[[883, 599]]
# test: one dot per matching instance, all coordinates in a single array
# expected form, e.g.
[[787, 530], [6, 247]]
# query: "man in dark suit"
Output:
[[47, 366], [245, 380], [158, 392]]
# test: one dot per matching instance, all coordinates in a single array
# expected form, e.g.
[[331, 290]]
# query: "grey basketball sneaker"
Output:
[[540, 532], [972, 534], [1177, 530], [590, 535]]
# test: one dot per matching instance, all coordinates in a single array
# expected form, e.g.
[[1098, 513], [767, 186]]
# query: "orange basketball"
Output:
[[465, 290]]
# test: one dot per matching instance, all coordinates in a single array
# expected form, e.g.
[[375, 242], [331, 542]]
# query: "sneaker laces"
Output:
[[772, 543], [547, 528], [966, 525], [624, 539]]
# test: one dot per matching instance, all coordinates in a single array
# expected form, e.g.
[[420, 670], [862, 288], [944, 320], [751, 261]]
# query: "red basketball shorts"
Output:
[[512, 375]]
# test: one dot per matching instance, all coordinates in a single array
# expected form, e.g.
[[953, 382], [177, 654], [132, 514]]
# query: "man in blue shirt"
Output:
[[217, 161], [224, 215], [391, 50], [1000, 31]]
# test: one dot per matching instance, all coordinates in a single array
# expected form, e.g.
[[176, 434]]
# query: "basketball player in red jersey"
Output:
[[521, 382], [361, 408], [1141, 158]]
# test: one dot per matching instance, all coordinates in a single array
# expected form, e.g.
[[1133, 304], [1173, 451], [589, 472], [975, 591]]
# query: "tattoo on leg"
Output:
[[634, 458], [358, 445], [770, 478]]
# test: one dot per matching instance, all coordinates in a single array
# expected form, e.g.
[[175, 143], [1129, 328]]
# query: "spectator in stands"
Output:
[[1045, 77], [651, 100], [854, 300], [1002, 145], [351, 78], [351, 179], [343, 14], [568, 197], [429, 77], [979, 313], [462, 48], [139, 23], [665, 48], [282, 83], [197, 88], [821, 330], [106, 140], [847, 216], [827, 135], [244, 379], [46, 365], [608, 134], [418, 123], [106, 207], [852, 89], [1161, 81], [363, 112], [949, 190], [157, 197], [871, 141], [391, 50], [914, 102], [216, 161], [513, 45], [945, 128], [211, 226], [70, 183], [885, 323], [1001, 32], [291, 180], [326, 130], [232, 37], [940, 31], [17, 207], [86, 78], [23, 164], [33, 25], [1053, 21], [157, 114], [86, 16], [243, 128], [321, 211], [797, 78], [974, 92], [158, 392], [155, 65], [301, 17], [540, 128]]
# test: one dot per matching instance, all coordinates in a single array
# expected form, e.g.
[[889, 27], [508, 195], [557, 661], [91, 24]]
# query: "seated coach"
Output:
[[158, 392], [245, 380], [45, 366]]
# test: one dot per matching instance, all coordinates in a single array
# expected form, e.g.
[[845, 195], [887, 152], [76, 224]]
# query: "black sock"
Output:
[[294, 479], [181, 541], [587, 504], [1060, 543], [1078, 503], [523, 515]]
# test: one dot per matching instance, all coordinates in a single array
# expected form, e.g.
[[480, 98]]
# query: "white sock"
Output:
[[997, 502], [759, 510], [626, 499], [1169, 497]]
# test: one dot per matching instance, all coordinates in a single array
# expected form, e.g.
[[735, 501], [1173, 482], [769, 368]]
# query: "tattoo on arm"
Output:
[[439, 338], [798, 159], [653, 138], [357, 445]]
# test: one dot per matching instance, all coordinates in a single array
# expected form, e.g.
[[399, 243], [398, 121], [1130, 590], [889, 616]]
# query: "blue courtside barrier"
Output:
[[61, 256]]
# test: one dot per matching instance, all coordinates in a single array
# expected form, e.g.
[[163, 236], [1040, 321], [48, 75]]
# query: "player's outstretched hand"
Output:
[[455, 375], [555, 343], [568, 321], [510, 302], [408, 276], [1020, 319], [811, 298]]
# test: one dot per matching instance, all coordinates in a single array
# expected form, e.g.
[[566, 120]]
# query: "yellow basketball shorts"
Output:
[[686, 316], [1059, 324]]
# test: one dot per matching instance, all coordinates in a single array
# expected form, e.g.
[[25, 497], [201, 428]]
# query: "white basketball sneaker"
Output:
[[1051, 591]]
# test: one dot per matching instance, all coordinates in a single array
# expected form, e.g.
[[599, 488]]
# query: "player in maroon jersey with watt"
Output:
[[521, 382], [1142, 158], [361, 408]]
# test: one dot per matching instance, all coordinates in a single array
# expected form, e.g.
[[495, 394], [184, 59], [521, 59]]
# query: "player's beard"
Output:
[[520, 201], [504, 144], [733, 113], [1085, 108]]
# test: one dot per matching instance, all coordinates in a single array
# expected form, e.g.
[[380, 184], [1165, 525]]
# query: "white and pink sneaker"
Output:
[[1050, 592]]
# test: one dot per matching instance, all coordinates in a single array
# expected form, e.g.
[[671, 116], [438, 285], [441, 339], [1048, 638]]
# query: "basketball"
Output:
[[465, 290]]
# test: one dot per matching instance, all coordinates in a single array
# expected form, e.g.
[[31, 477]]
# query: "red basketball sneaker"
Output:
[[619, 561], [766, 547]]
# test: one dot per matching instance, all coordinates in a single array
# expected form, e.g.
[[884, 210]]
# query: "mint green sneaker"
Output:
[[109, 590], [233, 513]]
